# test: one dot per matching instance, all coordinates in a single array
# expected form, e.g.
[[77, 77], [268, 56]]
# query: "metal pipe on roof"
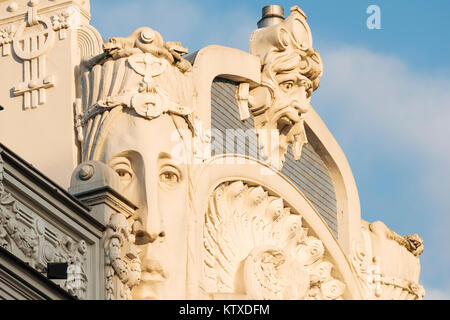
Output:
[[271, 15]]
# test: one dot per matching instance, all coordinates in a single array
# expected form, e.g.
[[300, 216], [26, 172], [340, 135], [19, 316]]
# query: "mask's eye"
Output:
[[122, 167], [287, 85], [169, 176]]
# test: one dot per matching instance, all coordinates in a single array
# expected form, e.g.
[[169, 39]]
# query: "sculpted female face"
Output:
[[141, 151]]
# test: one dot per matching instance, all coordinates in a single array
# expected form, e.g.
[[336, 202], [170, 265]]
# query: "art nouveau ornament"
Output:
[[123, 266], [32, 40], [6, 38], [253, 244], [28, 236], [140, 72], [139, 88], [168, 220], [31, 47], [388, 263], [62, 21], [291, 69], [136, 107]]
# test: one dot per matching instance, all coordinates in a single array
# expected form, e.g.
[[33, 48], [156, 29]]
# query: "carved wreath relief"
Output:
[[253, 245]]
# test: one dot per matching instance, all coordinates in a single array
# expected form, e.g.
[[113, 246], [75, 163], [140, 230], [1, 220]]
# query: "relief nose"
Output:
[[300, 102], [302, 107], [147, 235], [148, 227]]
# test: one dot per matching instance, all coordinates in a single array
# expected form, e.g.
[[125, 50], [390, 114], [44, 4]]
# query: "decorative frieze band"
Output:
[[28, 236]]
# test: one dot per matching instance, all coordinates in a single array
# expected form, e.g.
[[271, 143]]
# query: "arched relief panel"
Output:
[[228, 246], [309, 174], [90, 42], [216, 62]]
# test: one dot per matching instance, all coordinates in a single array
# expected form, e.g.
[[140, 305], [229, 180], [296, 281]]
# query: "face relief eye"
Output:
[[124, 174], [123, 168], [169, 176], [287, 85]]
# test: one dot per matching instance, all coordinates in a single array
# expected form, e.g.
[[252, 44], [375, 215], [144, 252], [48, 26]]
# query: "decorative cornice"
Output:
[[24, 233], [30, 172], [46, 10]]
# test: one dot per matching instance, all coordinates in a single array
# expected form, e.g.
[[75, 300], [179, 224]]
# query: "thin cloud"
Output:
[[383, 111], [185, 21], [436, 294], [389, 118]]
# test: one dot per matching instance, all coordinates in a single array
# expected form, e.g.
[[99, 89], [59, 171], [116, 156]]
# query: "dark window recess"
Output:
[[57, 270]]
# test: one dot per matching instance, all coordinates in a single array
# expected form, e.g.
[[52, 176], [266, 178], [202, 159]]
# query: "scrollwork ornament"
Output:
[[30, 239], [122, 263]]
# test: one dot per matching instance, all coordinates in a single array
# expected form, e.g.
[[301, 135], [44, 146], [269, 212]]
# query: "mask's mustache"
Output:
[[298, 103]]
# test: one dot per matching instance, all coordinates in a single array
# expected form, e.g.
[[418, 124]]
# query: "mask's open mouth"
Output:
[[291, 130], [286, 120], [284, 125]]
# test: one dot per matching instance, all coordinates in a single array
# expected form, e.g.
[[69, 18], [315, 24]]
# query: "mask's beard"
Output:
[[278, 128]]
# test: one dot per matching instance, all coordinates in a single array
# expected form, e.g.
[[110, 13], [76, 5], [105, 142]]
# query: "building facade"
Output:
[[162, 174]]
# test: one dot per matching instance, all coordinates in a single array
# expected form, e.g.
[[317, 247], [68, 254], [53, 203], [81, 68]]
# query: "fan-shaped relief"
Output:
[[90, 42], [257, 246]]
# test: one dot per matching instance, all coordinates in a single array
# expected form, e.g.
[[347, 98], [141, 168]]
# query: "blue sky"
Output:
[[385, 95]]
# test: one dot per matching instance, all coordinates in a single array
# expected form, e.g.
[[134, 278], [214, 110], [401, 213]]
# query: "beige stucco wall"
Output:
[[43, 135]]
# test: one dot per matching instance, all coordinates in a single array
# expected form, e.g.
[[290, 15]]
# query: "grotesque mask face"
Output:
[[290, 74], [142, 153]]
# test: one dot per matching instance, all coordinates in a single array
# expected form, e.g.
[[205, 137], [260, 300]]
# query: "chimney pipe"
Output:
[[271, 15]]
